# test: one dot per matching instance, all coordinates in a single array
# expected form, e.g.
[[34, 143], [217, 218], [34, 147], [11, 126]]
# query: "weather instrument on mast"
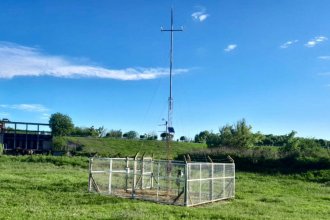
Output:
[[169, 126]]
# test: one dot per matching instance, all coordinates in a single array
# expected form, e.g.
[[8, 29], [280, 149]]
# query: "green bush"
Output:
[[239, 135], [59, 144], [267, 159]]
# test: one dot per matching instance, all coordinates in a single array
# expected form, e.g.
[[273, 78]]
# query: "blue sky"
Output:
[[105, 63]]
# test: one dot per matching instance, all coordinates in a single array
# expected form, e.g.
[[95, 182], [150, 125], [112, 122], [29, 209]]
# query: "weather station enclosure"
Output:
[[170, 182]]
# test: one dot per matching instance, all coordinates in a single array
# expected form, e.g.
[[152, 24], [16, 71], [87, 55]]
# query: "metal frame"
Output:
[[24, 139], [170, 182]]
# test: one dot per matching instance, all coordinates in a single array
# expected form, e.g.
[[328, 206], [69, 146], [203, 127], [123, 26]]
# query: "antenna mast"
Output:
[[169, 125]]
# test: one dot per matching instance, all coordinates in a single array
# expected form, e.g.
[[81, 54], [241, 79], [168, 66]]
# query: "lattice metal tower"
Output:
[[169, 125]]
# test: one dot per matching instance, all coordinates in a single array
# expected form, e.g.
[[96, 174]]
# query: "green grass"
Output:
[[44, 187], [123, 147]]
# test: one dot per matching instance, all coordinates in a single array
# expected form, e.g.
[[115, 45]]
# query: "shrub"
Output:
[[59, 144], [238, 135]]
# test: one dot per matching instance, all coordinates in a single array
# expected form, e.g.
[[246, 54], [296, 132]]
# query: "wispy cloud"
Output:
[[230, 47], [4, 114], [288, 44], [324, 57], [200, 15], [27, 107], [17, 60], [324, 74], [315, 41], [45, 116]]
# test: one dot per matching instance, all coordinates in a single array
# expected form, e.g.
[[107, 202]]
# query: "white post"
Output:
[[211, 183], [142, 173], [224, 180], [200, 182], [234, 180], [158, 169], [127, 173], [152, 173], [90, 175], [134, 174], [186, 184], [110, 176]]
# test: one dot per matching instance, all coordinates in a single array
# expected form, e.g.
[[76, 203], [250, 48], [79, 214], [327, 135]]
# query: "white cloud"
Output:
[[315, 41], [230, 47], [200, 15], [288, 43], [27, 107], [324, 57], [17, 60], [45, 116]]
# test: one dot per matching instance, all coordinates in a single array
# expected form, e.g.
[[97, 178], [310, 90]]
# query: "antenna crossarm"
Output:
[[171, 30]]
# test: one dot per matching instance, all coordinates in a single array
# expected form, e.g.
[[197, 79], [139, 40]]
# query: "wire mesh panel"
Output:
[[170, 182], [208, 182]]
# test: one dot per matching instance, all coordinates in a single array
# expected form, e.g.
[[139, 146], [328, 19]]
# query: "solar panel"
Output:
[[171, 130]]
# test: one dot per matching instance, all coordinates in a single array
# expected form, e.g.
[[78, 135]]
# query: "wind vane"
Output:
[[169, 125]]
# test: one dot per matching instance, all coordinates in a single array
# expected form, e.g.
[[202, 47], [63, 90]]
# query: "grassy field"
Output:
[[123, 147], [43, 187]]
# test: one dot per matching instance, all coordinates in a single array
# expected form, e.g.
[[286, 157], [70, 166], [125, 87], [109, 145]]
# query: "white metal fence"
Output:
[[170, 182]]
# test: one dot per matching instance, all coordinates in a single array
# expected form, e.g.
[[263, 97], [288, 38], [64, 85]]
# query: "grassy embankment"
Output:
[[124, 147], [45, 187]]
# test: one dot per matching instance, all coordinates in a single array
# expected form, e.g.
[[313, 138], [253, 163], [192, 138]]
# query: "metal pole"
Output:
[[127, 173], [170, 99], [90, 175], [26, 136], [224, 180], [211, 182], [186, 184]]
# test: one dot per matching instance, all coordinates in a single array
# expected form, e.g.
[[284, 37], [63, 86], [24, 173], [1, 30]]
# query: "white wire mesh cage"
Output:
[[170, 182]]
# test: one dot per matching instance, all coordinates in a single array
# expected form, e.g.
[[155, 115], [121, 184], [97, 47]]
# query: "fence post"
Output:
[[211, 182], [224, 180], [110, 175], [142, 171], [90, 175], [134, 175], [127, 173], [234, 180], [186, 184], [200, 182], [152, 172], [158, 170]]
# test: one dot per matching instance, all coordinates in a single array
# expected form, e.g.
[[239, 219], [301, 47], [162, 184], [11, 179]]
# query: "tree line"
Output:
[[62, 125], [238, 135]]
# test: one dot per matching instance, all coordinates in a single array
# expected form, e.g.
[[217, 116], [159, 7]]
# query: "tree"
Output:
[[238, 135], [213, 140], [183, 138], [101, 131], [131, 135], [201, 137], [114, 134], [164, 136], [60, 124], [151, 136]]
